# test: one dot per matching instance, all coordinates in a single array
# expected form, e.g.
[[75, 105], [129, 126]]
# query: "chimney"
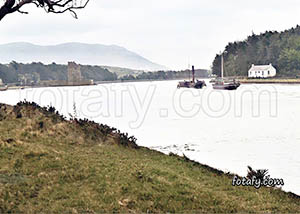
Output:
[[193, 72]]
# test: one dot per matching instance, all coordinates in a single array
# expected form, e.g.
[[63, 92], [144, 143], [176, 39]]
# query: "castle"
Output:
[[74, 74]]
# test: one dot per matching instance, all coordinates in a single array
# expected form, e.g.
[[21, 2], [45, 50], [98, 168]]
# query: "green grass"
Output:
[[67, 167]]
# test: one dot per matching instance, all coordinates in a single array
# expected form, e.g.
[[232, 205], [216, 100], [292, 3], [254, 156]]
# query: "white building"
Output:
[[261, 71]]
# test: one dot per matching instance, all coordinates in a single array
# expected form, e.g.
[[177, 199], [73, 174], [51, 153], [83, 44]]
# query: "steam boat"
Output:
[[198, 84]]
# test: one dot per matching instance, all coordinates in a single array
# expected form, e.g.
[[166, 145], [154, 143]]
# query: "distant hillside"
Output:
[[91, 54], [282, 49], [120, 72]]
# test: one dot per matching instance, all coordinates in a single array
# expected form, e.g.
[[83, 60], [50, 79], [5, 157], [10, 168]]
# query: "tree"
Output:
[[50, 6], [282, 49]]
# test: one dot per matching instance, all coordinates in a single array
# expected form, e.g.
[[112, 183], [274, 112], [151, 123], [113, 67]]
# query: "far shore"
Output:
[[269, 81], [241, 80], [97, 83]]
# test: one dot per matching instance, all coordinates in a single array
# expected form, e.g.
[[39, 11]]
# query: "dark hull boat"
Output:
[[189, 84], [192, 84], [199, 84], [226, 86]]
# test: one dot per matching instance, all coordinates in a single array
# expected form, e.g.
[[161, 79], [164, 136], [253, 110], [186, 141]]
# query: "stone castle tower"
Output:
[[74, 73]]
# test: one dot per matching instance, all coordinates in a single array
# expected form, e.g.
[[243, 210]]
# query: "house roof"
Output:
[[261, 67]]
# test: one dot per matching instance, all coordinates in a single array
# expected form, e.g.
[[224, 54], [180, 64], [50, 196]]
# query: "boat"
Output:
[[225, 84], [213, 80], [198, 84], [222, 84]]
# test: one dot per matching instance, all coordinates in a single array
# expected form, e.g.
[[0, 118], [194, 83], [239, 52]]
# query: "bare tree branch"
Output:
[[22, 12], [50, 6]]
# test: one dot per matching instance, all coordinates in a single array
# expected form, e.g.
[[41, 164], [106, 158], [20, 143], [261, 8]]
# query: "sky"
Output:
[[173, 33]]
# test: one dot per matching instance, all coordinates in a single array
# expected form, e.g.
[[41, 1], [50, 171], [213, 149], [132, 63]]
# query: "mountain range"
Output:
[[91, 54]]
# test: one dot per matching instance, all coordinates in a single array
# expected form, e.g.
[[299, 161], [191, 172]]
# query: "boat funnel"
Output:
[[193, 73]]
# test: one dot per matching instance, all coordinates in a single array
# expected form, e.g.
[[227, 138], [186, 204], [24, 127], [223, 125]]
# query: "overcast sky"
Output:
[[169, 32]]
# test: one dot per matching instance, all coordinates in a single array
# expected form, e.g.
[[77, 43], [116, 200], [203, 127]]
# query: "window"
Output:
[[268, 72]]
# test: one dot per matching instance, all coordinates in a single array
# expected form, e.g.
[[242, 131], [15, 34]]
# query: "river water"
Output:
[[256, 125]]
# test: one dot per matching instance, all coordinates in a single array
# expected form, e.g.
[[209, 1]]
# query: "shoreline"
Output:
[[212, 169], [269, 81], [95, 83], [184, 158], [242, 81], [145, 80], [92, 165]]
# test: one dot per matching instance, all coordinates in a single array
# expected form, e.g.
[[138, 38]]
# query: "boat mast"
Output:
[[222, 66], [189, 69]]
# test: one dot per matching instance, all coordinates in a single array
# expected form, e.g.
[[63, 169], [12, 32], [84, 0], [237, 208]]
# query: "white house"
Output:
[[261, 71]]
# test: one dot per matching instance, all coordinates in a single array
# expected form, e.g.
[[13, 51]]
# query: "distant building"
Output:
[[74, 73], [261, 71], [74, 76]]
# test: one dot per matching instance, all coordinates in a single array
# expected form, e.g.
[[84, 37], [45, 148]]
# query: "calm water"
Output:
[[255, 125]]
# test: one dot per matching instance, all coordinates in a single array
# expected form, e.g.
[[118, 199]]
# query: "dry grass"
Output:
[[59, 168], [270, 81]]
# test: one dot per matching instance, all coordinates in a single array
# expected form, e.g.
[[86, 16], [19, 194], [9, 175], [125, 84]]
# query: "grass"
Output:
[[48, 164], [272, 80]]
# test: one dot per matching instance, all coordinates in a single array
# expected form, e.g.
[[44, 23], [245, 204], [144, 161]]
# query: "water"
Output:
[[229, 130]]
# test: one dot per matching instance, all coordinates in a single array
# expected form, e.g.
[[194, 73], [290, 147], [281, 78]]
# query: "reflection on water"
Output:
[[255, 125]]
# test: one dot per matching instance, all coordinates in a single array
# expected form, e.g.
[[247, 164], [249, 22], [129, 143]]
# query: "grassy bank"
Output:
[[50, 164], [270, 81]]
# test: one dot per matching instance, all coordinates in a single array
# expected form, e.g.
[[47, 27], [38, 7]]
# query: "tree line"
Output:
[[166, 75], [11, 72], [281, 49]]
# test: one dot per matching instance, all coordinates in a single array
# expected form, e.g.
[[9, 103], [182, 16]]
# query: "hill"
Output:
[[122, 71], [90, 54], [282, 49], [50, 164]]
